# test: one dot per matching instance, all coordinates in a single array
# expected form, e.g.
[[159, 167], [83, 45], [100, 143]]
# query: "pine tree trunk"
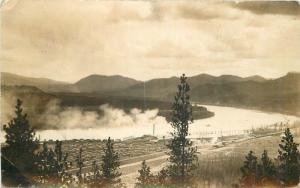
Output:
[[183, 166]]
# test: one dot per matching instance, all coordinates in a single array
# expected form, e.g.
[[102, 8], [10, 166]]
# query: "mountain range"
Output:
[[281, 94], [99, 83]]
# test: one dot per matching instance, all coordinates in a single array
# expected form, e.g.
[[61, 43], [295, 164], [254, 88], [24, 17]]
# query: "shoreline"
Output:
[[260, 109]]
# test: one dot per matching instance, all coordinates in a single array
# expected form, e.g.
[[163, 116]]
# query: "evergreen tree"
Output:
[[249, 170], [20, 144], [80, 165], [267, 169], [53, 165], [110, 165], [45, 164], [289, 167], [182, 154], [145, 178]]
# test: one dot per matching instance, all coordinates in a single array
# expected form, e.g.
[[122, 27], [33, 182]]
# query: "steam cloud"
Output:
[[61, 123], [74, 117]]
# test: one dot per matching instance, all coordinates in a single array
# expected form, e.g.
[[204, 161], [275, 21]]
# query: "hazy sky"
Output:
[[69, 39]]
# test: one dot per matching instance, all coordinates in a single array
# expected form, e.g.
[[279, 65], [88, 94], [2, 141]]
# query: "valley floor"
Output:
[[219, 160]]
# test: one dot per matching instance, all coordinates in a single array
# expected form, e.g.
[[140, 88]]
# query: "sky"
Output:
[[69, 39]]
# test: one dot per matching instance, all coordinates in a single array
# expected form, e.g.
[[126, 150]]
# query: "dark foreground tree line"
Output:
[[51, 167], [283, 171]]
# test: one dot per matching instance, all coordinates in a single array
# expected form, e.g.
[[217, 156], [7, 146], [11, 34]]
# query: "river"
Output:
[[227, 120]]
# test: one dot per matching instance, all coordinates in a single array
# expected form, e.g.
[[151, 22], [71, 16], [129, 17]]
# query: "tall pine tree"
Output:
[[289, 168], [20, 144], [182, 153], [110, 165]]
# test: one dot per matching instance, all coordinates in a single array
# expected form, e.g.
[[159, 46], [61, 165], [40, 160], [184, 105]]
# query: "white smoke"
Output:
[[75, 123], [108, 116]]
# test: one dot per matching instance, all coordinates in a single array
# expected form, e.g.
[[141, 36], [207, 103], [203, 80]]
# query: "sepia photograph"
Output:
[[150, 93]]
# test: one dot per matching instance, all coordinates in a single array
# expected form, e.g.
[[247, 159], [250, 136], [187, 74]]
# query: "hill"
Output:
[[165, 88], [100, 83], [35, 103], [255, 78], [44, 84], [281, 95], [90, 84]]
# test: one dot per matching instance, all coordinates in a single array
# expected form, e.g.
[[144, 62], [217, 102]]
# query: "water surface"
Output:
[[227, 120]]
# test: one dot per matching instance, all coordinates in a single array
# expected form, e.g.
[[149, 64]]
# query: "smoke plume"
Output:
[[106, 116]]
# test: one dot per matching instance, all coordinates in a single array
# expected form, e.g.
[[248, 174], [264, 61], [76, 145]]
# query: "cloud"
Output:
[[291, 8], [71, 39], [167, 49], [207, 11], [196, 13]]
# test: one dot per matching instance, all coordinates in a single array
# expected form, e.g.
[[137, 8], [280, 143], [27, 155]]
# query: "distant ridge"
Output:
[[15, 79], [165, 88], [44, 84], [100, 83], [255, 78]]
